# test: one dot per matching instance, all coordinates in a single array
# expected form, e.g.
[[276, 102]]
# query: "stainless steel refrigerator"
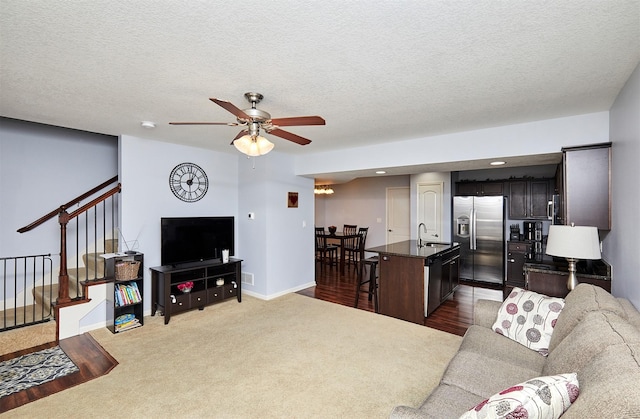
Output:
[[478, 225]]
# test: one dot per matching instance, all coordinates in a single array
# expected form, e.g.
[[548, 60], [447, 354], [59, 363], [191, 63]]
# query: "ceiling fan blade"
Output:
[[298, 120], [231, 124], [240, 134], [289, 136], [239, 113]]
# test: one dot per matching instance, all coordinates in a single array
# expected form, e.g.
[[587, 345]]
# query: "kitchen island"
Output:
[[414, 280]]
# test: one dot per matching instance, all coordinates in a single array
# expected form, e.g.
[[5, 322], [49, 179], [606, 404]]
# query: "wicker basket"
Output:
[[127, 270]]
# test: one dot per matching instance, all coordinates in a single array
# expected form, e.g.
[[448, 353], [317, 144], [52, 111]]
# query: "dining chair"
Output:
[[325, 252], [354, 252], [348, 230]]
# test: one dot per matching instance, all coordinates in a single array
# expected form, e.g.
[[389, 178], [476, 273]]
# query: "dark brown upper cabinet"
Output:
[[586, 186], [529, 199], [479, 188]]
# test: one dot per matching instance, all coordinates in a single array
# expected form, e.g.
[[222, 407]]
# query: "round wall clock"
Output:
[[188, 182]]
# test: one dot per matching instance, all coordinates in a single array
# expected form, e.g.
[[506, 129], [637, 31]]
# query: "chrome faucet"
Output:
[[419, 236]]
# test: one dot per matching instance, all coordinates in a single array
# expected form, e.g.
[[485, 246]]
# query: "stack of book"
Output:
[[126, 322], [127, 294]]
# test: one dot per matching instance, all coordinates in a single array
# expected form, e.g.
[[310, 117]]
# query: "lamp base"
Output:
[[572, 281]]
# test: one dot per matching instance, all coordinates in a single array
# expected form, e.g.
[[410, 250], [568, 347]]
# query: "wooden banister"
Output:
[[62, 208], [96, 201], [63, 219]]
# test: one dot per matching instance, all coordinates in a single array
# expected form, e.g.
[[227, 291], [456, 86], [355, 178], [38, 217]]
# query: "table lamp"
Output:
[[573, 243]]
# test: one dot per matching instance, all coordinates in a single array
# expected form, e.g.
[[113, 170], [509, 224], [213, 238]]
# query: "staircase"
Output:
[[91, 272], [84, 231]]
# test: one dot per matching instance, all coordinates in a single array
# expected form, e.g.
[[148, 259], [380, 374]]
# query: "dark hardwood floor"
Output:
[[454, 316], [90, 358]]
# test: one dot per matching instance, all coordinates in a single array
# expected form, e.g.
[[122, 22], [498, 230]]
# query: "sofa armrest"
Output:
[[485, 312]]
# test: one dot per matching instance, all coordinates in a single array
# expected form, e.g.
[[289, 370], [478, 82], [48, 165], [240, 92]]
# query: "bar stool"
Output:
[[372, 262]]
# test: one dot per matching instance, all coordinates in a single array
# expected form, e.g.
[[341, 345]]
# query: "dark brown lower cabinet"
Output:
[[516, 258], [401, 287], [554, 283]]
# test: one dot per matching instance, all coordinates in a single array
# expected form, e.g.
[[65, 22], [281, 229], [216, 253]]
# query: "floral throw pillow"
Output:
[[542, 397], [529, 318]]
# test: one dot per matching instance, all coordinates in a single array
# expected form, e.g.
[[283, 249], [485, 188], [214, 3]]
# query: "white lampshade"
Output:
[[253, 147], [578, 242]]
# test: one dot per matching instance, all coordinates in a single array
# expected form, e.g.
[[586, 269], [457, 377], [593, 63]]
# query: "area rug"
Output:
[[290, 357], [34, 369]]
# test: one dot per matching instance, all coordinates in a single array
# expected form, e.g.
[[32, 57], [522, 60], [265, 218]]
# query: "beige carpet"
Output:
[[27, 337], [292, 357]]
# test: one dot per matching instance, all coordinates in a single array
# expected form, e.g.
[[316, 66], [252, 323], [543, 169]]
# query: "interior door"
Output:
[[398, 214], [430, 211]]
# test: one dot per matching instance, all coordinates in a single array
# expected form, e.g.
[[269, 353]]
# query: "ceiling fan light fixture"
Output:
[[253, 146]]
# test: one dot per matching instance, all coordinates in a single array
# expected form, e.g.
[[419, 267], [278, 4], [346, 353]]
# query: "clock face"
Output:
[[188, 182]]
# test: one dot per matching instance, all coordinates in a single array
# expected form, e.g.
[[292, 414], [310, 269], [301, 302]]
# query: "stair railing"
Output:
[[90, 226], [19, 274]]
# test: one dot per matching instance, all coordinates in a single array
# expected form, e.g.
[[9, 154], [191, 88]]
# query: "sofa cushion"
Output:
[[581, 300], [609, 385], [631, 312], [449, 402], [484, 374], [488, 343], [528, 318], [485, 311], [541, 397], [596, 331]]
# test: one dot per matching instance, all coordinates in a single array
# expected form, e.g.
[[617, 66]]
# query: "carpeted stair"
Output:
[[93, 269]]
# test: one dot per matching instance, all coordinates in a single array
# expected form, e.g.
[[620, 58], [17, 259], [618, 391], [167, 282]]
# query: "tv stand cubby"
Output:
[[167, 280]]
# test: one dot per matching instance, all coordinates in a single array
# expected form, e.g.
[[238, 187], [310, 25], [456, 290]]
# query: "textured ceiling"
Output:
[[377, 71]]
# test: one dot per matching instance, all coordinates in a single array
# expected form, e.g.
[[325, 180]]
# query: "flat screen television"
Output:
[[195, 239]]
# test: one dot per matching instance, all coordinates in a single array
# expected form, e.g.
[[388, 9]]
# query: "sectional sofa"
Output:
[[590, 367]]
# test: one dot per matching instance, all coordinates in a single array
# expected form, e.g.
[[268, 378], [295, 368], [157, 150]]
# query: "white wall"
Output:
[[540, 137], [621, 244], [145, 198]]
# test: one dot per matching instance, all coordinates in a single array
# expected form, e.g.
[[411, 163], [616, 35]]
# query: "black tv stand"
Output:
[[213, 282]]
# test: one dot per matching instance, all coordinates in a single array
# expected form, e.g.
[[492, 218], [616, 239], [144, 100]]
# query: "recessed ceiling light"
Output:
[[380, 172], [148, 124], [497, 163]]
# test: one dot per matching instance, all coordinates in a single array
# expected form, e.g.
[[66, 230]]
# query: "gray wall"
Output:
[[621, 245], [41, 168]]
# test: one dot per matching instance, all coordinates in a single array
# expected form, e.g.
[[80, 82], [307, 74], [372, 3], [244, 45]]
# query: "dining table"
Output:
[[342, 237]]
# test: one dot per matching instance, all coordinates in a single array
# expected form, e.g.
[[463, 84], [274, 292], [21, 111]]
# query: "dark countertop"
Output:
[[596, 269], [409, 248]]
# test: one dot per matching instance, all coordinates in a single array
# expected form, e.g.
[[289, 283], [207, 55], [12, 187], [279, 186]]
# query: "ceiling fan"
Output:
[[249, 140]]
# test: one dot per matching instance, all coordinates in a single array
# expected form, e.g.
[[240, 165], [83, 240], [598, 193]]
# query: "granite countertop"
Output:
[[596, 269], [409, 248]]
